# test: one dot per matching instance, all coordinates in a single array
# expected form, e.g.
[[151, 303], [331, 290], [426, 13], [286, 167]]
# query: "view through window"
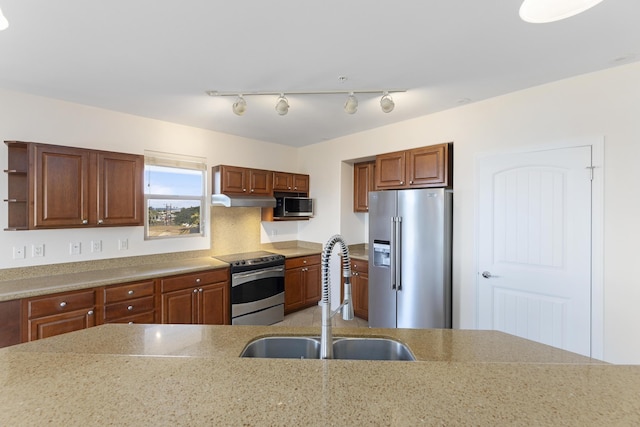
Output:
[[174, 196]]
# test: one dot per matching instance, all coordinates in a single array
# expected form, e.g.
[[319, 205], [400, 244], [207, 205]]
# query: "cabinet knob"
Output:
[[130, 308], [130, 323], [100, 221], [304, 261], [85, 221], [198, 280], [63, 304], [200, 290], [401, 182], [295, 188], [130, 292], [410, 182], [252, 190], [244, 189], [289, 187], [195, 291], [90, 313]]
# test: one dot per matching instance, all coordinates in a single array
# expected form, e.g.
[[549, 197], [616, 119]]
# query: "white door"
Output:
[[534, 258]]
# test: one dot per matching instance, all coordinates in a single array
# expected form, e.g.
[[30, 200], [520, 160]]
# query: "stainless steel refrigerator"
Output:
[[410, 258]]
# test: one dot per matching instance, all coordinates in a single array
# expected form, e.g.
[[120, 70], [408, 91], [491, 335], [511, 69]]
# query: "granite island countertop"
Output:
[[192, 375]]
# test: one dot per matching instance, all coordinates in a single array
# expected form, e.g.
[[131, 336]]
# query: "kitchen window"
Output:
[[174, 194]]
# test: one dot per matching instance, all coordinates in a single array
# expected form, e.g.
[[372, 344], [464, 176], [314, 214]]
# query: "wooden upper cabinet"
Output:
[[65, 187], [428, 166], [391, 170], [61, 192], [363, 182], [120, 189], [418, 168], [285, 181], [238, 180]]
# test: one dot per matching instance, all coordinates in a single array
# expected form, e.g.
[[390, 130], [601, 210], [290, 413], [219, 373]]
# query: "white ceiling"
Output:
[[156, 58]]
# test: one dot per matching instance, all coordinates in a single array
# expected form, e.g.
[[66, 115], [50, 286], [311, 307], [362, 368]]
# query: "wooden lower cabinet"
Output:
[[360, 288], [199, 298], [57, 314], [302, 282], [10, 323]]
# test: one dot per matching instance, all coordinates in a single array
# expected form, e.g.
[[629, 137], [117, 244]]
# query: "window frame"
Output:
[[178, 162]]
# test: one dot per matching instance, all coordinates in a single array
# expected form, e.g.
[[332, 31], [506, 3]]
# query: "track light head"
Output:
[[351, 105], [4, 23], [543, 11], [282, 106], [240, 106], [386, 103]]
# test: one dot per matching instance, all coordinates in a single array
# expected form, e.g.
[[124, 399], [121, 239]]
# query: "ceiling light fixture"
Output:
[[4, 24], [240, 106], [282, 106], [543, 11], [386, 103], [351, 105]]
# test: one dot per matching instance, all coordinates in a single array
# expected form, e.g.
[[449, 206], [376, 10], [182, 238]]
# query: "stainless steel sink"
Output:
[[283, 348], [371, 349], [343, 348]]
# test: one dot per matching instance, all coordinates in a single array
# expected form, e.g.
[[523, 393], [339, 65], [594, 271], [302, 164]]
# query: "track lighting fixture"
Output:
[[240, 106], [282, 106], [4, 24], [543, 11], [386, 103], [351, 105]]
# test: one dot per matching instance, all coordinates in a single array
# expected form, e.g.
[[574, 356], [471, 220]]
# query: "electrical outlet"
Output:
[[74, 248], [123, 244], [18, 252], [96, 246], [37, 250]]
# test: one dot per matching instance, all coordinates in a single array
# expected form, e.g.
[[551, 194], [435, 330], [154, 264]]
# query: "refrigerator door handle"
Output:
[[398, 248], [392, 255]]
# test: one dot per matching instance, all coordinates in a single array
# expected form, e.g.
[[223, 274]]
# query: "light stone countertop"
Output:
[[34, 286], [191, 375]]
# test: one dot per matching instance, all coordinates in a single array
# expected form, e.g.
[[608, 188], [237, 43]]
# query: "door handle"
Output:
[[486, 274]]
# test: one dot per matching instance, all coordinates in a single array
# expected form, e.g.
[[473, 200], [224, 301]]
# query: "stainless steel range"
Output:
[[257, 287]]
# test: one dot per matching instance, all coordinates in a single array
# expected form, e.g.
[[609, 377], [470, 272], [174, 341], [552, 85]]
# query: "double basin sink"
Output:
[[288, 347]]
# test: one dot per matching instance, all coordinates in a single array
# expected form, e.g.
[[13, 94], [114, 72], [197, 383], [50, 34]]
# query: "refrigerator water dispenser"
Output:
[[381, 253]]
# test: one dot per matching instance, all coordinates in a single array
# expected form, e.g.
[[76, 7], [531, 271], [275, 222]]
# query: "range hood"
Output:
[[232, 201]]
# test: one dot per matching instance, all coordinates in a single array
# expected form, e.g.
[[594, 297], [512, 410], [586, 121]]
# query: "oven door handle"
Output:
[[242, 278]]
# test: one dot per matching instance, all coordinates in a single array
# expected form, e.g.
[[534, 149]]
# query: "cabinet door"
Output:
[[390, 170], [261, 182], [360, 291], [180, 306], [282, 181], [120, 189], [301, 183], [10, 330], [363, 182], [427, 166], [293, 290], [312, 279], [61, 186], [234, 179], [214, 304], [44, 327]]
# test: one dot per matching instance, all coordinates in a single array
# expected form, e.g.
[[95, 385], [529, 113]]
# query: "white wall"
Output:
[[600, 104], [31, 118]]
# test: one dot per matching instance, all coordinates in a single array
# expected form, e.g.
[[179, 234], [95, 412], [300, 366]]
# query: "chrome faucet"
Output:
[[326, 338]]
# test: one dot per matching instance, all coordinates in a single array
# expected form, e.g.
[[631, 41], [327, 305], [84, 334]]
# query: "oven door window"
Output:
[[256, 285]]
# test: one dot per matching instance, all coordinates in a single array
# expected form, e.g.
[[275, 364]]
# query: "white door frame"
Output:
[[597, 229]]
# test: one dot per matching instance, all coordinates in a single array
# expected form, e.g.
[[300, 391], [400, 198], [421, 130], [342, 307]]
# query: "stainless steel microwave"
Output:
[[293, 206]]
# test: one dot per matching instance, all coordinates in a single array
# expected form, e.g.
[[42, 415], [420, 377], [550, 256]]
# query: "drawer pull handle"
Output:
[[130, 292], [130, 323], [198, 280], [130, 308], [90, 313], [200, 290], [195, 290], [63, 304], [85, 221]]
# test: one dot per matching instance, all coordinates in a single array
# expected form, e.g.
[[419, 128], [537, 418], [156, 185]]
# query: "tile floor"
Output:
[[312, 316]]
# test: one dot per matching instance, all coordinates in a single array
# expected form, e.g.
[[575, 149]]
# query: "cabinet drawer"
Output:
[[302, 261], [127, 291], [194, 280], [148, 318], [359, 266], [128, 308], [60, 303]]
